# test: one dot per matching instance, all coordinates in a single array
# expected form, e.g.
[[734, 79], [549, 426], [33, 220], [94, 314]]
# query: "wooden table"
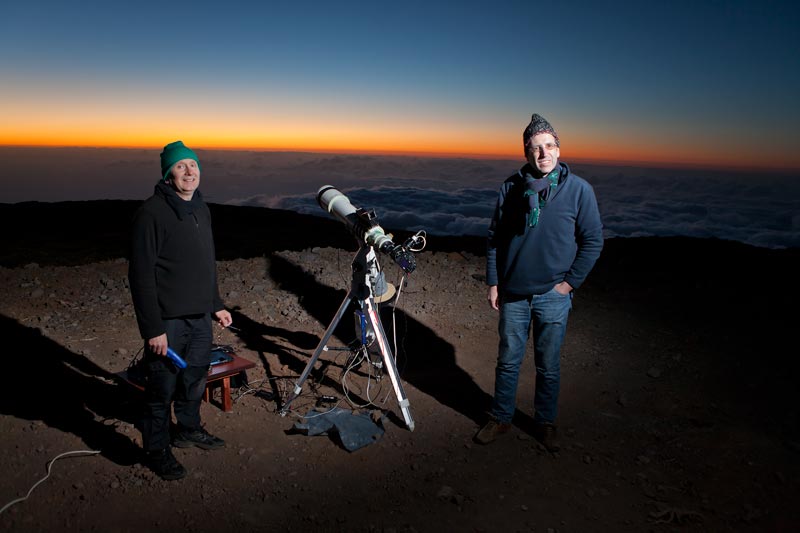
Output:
[[221, 375]]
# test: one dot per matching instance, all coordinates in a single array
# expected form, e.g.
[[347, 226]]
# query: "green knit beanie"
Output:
[[174, 152]]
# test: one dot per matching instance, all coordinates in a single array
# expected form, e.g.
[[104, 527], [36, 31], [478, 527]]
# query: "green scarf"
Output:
[[536, 207]]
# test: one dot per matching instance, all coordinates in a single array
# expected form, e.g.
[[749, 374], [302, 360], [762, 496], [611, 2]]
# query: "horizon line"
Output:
[[647, 163]]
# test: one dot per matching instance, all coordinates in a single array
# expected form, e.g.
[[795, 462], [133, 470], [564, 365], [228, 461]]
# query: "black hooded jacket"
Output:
[[172, 269]]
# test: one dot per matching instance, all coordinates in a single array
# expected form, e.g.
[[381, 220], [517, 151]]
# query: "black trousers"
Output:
[[167, 387]]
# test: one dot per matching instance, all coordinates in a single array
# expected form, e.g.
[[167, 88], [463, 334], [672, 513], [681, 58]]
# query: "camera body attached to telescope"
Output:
[[363, 223]]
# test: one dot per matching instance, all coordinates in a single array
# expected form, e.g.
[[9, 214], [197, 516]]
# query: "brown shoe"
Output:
[[491, 431], [546, 435]]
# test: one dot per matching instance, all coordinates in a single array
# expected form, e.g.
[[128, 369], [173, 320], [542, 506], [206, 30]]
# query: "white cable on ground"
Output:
[[49, 467]]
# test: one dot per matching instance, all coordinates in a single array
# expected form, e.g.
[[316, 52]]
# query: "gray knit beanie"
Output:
[[538, 125]]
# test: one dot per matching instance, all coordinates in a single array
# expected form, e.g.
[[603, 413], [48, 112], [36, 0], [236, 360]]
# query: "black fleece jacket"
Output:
[[172, 270]]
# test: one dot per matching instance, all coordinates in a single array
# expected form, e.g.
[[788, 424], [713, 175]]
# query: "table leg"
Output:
[[226, 394]]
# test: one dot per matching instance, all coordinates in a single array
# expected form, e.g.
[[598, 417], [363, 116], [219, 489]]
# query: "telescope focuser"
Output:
[[402, 256]]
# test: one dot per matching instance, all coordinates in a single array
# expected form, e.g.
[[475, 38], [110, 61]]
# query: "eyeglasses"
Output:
[[537, 148]]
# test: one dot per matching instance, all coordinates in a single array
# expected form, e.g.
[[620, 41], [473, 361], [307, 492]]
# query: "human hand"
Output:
[[494, 298], [223, 318], [158, 345], [563, 288]]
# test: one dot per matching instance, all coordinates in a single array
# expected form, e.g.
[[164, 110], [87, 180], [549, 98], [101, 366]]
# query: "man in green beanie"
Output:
[[173, 281]]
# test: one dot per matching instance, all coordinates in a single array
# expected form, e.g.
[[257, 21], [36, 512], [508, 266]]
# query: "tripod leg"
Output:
[[388, 362], [298, 386]]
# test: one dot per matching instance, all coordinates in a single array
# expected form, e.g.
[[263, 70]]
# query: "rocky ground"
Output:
[[679, 403]]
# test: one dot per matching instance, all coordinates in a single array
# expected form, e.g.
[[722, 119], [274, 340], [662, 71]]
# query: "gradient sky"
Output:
[[714, 82]]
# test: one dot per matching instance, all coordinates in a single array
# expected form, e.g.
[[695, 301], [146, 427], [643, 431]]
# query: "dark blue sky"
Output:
[[691, 82]]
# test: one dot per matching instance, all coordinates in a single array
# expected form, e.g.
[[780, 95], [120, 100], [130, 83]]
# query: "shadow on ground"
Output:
[[425, 360], [266, 340], [67, 391]]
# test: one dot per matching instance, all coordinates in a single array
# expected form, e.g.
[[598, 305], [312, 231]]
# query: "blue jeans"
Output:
[[548, 314]]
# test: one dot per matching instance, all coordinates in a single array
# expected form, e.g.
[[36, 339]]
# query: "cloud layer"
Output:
[[446, 196], [762, 211]]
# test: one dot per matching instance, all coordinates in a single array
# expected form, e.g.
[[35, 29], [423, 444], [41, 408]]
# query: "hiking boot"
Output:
[[546, 435], [164, 464], [197, 437], [491, 431]]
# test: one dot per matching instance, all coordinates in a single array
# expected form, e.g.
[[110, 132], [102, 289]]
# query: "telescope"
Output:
[[369, 288], [364, 225]]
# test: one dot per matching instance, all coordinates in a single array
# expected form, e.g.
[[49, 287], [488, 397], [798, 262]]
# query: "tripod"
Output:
[[365, 271]]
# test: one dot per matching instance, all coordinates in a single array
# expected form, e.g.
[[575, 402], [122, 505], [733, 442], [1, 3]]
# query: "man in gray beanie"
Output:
[[173, 281], [544, 238]]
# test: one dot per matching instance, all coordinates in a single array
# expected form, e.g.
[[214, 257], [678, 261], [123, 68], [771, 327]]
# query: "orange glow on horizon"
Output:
[[353, 142], [83, 121]]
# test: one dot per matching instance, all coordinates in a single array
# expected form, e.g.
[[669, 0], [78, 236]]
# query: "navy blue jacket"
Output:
[[563, 246], [172, 269]]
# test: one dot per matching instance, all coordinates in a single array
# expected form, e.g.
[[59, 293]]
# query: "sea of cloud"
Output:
[[759, 210], [445, 196]]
